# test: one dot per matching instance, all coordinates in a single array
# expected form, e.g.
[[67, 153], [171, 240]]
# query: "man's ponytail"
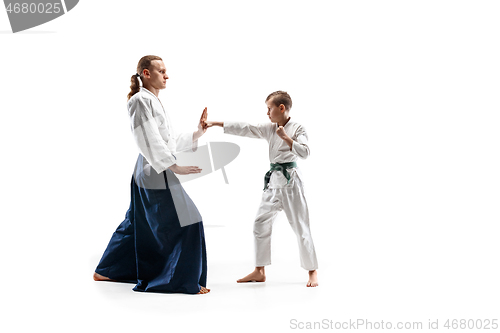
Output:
[[134, 86]]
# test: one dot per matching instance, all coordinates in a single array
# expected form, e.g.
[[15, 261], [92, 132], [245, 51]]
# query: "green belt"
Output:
[[279, 167]]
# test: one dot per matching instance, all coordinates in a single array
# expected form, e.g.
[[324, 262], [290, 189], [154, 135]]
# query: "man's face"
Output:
[[158, 74]]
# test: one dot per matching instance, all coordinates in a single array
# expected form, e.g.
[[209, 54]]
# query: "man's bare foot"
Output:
[[313, 279], [203, 290], [99, 277], [258, 275]]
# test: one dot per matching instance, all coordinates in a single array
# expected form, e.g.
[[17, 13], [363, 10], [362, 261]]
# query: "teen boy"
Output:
[[283, 187]]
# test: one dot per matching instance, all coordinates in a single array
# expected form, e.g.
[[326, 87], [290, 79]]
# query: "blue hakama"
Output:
[[150, 247]]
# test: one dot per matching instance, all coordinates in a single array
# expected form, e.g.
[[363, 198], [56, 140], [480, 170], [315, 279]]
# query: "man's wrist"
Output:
[[197, 134]]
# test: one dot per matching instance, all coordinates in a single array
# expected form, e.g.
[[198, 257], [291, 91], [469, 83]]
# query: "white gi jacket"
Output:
[[153, 132], [279, 151]]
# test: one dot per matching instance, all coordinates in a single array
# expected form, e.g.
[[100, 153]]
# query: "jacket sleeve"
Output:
[[184, 142], [147, 136], [260, 131], [300, 146]]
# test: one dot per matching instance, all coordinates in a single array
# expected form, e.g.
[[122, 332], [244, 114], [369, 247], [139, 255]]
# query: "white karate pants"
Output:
[[290, 199]]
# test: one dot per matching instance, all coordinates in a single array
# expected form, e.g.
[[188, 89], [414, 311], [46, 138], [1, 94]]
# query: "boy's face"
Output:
[[274, 112]]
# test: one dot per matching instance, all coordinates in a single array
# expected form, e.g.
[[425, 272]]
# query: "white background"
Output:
[[401, 103]]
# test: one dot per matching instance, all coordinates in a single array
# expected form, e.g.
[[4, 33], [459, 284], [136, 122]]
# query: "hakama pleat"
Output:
[[150, 247]]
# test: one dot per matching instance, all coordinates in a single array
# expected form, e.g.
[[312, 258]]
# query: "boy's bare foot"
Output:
[[203, 290], [99, 277], [258, 275], [313, 279]]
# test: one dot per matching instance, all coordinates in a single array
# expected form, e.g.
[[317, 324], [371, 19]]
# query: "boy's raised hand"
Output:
[[281, 132]]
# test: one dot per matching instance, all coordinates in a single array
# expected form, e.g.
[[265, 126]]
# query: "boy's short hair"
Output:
[[280, 97]]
